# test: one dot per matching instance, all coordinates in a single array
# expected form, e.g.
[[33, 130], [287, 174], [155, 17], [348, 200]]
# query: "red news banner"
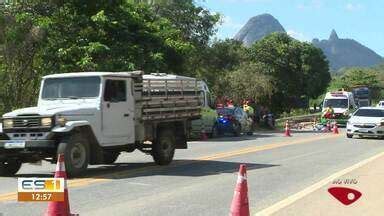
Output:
[[40, 189]]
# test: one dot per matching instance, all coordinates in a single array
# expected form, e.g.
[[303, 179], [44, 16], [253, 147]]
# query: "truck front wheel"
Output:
[[9, 167], [76, 154], [163, 149]]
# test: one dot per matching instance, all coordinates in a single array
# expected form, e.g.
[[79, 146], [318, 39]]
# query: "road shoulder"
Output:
[[367, 179]]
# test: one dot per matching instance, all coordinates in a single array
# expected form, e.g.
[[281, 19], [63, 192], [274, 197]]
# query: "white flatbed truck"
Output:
[[92, 117]]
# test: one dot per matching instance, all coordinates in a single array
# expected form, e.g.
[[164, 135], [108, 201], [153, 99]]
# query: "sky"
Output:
[[308, 19]]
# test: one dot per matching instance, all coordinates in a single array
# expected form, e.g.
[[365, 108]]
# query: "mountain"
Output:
[[346, 52], [257, 27]]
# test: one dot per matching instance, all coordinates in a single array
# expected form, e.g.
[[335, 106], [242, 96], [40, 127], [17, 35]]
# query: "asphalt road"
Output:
[[201, 180]]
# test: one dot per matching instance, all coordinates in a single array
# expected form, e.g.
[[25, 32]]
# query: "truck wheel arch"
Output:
[[94, 147]]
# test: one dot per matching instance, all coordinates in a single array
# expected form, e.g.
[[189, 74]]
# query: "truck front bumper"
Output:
[[26, 144], [27, 150]]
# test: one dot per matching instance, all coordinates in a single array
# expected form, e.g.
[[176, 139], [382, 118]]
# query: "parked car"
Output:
[[366, 121], [232, 120]]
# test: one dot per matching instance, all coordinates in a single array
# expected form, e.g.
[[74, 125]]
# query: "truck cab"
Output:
[[93, 116]]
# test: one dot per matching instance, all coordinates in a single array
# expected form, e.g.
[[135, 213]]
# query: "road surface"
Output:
[[201, 180]]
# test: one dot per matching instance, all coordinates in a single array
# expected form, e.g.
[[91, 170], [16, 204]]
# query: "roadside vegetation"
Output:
[[40, 37], [348, 78]]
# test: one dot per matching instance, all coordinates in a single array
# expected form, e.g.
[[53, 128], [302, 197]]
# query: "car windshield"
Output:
[[370, 113], [336, 103], [225, 111], [71, 88]]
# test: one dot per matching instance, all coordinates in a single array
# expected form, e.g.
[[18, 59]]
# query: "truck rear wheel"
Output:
[[76, 154], [163, 149], [9, 167]]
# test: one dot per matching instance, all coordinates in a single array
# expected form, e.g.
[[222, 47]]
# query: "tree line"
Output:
[[348, 78], [44, 37]]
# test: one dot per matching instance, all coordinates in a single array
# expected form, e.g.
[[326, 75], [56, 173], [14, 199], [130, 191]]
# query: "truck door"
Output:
[[118, 112]]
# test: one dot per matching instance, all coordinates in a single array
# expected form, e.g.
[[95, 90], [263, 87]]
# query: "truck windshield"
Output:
[[336, 103], [370, 113], [71, 87]]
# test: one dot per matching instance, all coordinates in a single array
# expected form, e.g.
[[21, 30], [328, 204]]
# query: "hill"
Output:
[[257, 27], [346, 52]]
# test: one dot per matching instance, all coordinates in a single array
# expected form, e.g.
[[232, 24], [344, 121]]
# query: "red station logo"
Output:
[[345, 195]]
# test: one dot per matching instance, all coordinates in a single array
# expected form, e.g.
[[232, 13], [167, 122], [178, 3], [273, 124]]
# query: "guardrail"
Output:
[[299, 122], [300, 118]]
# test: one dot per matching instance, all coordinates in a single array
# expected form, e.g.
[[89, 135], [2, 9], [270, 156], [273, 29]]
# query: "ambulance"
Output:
[[342, 103]]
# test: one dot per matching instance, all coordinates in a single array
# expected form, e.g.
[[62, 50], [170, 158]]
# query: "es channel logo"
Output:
[[345, 195], [40, 189]]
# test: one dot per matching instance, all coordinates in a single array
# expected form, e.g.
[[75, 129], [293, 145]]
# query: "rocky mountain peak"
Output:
[[333, 35], [258, 27]]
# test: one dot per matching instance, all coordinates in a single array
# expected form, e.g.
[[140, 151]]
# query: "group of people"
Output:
[[260, 115]]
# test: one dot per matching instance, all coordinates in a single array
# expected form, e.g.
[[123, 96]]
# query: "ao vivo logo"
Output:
[[345, 195], [40, 189]]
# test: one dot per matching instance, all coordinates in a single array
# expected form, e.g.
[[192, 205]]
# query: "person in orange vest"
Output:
[[328, 112], [229, 103]]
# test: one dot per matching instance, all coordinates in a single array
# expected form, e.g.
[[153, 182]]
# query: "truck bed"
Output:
[[168, 99]]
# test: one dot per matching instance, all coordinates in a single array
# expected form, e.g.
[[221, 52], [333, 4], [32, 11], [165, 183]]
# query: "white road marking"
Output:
[[138, 183], [291, 199]]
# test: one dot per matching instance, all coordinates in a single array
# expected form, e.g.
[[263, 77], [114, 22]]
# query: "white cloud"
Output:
[[298, 35], [314, 4], [228, 22], [353, 7]]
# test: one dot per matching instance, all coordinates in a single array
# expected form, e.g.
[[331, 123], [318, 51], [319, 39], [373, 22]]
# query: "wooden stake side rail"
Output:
[[164, 99]]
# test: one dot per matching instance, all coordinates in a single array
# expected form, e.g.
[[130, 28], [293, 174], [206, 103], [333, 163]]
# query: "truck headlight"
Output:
[[46, 122], [7, 123], [61, 121]]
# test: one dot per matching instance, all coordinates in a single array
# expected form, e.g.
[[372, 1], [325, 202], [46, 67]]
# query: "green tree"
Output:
[[114, 37], [21, 36], [39, 38], [354, 77], [220, 58], [299, 69], [248, 81]]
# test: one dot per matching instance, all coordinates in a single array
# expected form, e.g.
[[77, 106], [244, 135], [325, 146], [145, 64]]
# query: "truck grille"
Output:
[[26, 122]]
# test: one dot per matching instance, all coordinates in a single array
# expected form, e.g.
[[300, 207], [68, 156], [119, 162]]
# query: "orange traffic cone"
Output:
[[57, 208], [328, 127], [287, 130], [335, 128], [240, 205]]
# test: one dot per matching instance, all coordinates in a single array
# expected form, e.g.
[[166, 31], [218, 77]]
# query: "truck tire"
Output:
[[10, 167], [110, 157], [349, 135], [163, 149], [76, 154]]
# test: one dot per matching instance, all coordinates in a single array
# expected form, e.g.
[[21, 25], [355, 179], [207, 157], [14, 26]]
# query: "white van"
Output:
[[342, 103]]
